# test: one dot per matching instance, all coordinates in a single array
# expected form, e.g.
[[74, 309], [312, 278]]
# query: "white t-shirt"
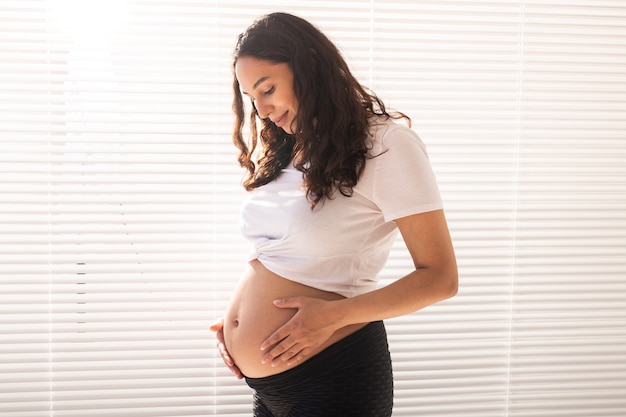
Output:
[[342, 245]]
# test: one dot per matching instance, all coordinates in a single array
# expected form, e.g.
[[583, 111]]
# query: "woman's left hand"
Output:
[[312, 325]]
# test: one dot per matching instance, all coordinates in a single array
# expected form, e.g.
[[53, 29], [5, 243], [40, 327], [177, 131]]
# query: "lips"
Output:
[[280, 121]]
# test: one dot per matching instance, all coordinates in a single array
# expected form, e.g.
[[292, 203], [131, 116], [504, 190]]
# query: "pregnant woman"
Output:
[[332, 178]]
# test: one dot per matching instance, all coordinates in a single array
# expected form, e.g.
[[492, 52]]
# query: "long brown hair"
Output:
[[330, 144]]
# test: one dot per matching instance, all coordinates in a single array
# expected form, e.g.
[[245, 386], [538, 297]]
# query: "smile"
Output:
[[281, 121]]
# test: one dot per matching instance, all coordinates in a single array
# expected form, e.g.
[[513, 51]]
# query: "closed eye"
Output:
[[270, 91]]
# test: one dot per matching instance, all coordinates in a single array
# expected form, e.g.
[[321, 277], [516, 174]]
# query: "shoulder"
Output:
[[387, 134], [398, 176]]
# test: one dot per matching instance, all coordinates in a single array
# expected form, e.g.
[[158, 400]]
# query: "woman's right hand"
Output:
[[218, 328]]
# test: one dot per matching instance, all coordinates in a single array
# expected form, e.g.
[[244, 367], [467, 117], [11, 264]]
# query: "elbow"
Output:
[[442, 284], [451, 274], [449, 283], [452, 287]]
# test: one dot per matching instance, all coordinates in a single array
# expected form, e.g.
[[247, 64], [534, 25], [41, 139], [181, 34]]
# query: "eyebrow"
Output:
[[259, 81], [256, 84]]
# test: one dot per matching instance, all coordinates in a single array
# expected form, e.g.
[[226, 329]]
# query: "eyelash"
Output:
[[266, 93]]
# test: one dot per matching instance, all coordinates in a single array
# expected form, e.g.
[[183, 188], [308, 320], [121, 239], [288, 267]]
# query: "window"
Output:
[[119, 191]]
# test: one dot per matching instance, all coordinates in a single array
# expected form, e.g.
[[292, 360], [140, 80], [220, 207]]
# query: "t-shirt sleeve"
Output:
[[404, 182]]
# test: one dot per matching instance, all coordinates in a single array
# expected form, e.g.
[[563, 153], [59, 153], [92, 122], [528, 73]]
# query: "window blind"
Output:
[[119, 191]]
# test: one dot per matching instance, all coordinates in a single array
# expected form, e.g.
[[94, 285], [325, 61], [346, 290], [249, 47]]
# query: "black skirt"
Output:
[[352, 377]]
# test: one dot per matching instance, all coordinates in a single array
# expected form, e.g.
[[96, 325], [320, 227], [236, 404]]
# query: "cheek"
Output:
[[294, 104], [291, 100]]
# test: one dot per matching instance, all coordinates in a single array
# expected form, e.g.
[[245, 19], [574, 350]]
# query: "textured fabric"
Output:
[[342, 245], [351, 378]]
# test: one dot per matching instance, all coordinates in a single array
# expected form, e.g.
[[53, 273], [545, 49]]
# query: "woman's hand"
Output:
[[313, 324], [218, 328]]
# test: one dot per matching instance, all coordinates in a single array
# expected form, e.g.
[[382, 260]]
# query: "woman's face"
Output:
[[270, 87]]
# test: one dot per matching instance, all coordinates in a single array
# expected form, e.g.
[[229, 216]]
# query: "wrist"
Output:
[[342, 316]]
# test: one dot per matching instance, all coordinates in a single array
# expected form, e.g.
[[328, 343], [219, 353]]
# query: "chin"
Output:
[[287, 128]]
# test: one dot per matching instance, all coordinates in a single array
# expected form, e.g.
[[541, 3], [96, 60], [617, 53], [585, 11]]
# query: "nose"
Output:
[[262, 109]]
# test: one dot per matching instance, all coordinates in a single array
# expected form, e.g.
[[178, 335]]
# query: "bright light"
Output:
[[87, 19]]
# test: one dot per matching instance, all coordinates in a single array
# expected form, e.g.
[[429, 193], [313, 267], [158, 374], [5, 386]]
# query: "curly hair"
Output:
[[330, 144]]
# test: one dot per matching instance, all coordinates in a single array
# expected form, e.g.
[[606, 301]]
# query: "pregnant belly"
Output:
[[251, 317]]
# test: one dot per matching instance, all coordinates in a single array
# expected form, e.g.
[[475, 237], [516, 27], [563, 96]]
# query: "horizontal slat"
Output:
[[120, 191]]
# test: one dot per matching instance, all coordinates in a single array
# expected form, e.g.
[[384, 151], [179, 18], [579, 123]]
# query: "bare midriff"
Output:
[[252, 317]]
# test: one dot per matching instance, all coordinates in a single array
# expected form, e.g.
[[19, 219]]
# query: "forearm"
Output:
[[419, 289]]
